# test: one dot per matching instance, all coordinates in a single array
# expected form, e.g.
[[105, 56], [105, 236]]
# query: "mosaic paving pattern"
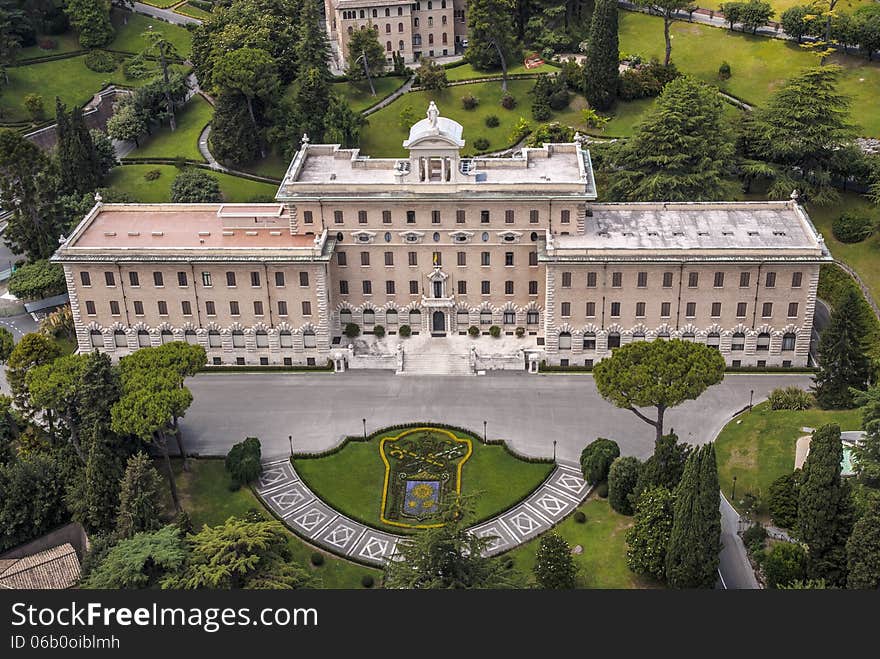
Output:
[[281, 490]]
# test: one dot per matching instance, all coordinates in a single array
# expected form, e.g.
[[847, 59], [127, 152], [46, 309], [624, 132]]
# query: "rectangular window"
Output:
[[566, 309], [389, 258], [365, 258], [565, 216], [367, 286], [591, 279], [337, 217], [307, 217], [389, 287], [158, 279], [210, 309], [362, 217], [461, 258], [460, 216], [642, 280], [279, 279], [233, 308], [771, 280], [413, 258], [665, 309], [90, 308], [566, 280], [462, 287], [258, 308], [410, 217], [615, 309], [484, 287], [341, 258], [134, 279], [533, 287], [508, 217], [741, 309], [114, 308], [386, 217], [186, 308], [792, 309], [508, 287], [690, 310], [484, 217], [591, 309], [533, 217], [206, 279], [163, 307], [85, 278], [303, 279], [109, 279], [230, 279], [484, 258], [693, 279], [616, 279], [797, 279], [640, 309], [307, 308], [719, 280], [667, 280], [139, 307], [508, 258], [182, 280], [282, 308], [255, 279], [343, 287], [716, 309], [436, 258], [413, 286], [435, 217], [767, 310], [744, 278], [533, 258]]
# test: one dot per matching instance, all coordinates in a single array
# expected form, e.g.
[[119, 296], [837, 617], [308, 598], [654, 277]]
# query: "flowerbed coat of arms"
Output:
[[422, 465]]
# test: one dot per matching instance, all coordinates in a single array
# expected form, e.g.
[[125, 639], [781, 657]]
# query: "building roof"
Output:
[[772, 229], [53, 568]]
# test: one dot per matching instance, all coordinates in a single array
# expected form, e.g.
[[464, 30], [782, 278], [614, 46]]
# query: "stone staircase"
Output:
[[433, 363]]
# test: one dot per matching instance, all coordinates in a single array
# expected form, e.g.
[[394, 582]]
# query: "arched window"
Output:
[[344, 317], [400, 27], [237, 339], [190, 337], [442, 4], [443, 36], [531, 318], [589, 340], [485, 317], [416, 21], [388, 46], [262, 339], [509, 318], [286, 339], [614, 340], [400, 11], [120, 339], [689, 337], [375, 13], [430, 5], [713, 340], [97, 339], [309, 340], [167, 336], [763, 343], [143, 338], [362, 13], [350, 30], [443, 19], [214, 340], [565, 340], [391, 317], [387, 11], [431, 39], [369, 317], [430, 21], [788, 341], [638, 335], [738, 342], [400, 45], [663, 335], [387, 28], [415, 319]]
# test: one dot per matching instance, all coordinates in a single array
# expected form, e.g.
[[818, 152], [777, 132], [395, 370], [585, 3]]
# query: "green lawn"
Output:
[[273, 165], [864, 257], [161, 4], [130, 179], [187, 9], [602, 564], [130, 27], [183, 142], [351, 480], [65, 43], [758, 447], [779, 6], [205, 495], [358, 93], [468, 72], [759, 64]]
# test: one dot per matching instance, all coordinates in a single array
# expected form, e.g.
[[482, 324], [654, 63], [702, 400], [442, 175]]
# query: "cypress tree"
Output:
[[648, 539], [234, 139], [554, 566], [312, 46], [79, 167], [825, 508], [843, 362], [139, 504], [601, 67], [863, 551], [94, 494], [310, 103]]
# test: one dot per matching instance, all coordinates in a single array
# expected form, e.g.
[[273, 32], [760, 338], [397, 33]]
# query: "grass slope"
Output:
[[130, 26], [130, 179], [183, 142], [468, 72], [357, 93]]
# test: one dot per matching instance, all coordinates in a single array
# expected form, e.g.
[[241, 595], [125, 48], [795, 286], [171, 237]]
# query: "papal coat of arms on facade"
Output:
[[422, 466]]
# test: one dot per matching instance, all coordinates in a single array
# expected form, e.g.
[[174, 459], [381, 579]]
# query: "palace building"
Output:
[[442, 243]]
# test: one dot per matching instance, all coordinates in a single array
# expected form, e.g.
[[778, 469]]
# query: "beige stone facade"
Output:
[[442, 243], [431, 28]]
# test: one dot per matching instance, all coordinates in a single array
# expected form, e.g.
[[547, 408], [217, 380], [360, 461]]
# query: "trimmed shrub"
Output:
[[520, 332], [852, 227], [495, 331], [782, 501], [783, 563], [474, 331], [754, 538], [508, 101], [404, 331], [559, 100], [100, 61], [481, 144], [790, 398], [469, 101], [602, 490], [580, 517], [378, 331], [153, 174], [317, 559], [541, 111], [243, 461], [352, 330], [623, 476], [37, 280], [646, 80], [492, 121], [724, 71], [596, 459], [367, 581], [193, 186], [33, 103]]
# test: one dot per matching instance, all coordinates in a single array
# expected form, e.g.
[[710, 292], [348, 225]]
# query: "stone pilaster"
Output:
[[802, 343], [322, 330], [83, 339], [551, 336]]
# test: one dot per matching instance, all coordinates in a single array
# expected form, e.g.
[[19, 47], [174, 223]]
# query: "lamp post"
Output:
[[365, 429], [733, 492], [554, 450], [290, 441], [751, 395], [484, 433]]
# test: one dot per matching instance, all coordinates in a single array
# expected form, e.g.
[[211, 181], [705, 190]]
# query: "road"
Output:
[[736, 571]]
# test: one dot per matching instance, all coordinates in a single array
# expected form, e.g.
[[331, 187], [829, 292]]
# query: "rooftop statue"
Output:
[[432, 114]]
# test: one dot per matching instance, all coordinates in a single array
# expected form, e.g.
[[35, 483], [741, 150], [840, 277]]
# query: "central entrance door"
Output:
[[438, 323]]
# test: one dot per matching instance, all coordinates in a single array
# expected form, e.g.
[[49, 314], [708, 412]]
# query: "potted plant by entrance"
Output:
[[405, 331], [520, 332], [379, 331], [352, 330], [495, 331], [473, 331]]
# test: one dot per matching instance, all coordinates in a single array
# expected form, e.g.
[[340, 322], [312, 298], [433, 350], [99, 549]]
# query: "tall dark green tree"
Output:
[[825, 508], [601, 73], [139, 503], [623, 477], [867, 451], [234, 139], [80, 169], [312, 91], [695, 541], [31, 499], [342, 125], [141, 561], [491, 35], [364, 50], [648, 539], [554, 565], [312, 46], [783, 500], [665, 466], [682, 151], [91, 19], [863, 551], [843, 364]]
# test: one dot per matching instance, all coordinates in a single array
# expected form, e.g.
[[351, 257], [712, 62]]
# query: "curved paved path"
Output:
[[282, 491]]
